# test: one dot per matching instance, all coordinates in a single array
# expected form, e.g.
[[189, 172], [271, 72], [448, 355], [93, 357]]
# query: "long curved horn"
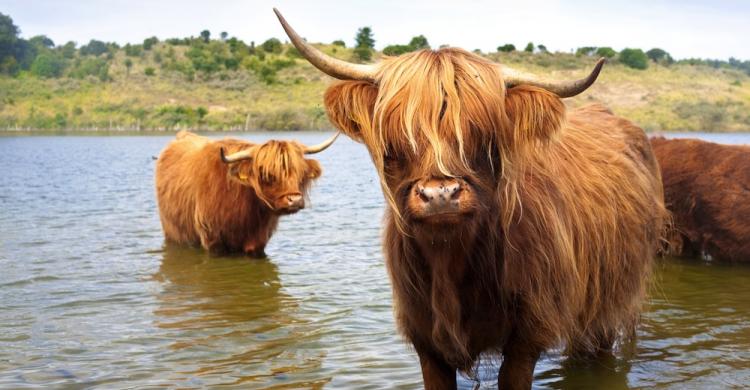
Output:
[[234, 157], [563, 89], [333, 67], [321, 146]]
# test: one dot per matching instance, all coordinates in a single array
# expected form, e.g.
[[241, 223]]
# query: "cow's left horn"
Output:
[[563, 89], [234, 157], [333, 67], [321, 146]]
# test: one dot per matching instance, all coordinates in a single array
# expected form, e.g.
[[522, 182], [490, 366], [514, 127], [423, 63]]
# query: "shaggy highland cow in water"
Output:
[[231, 202], [707, 189], [512, 226]]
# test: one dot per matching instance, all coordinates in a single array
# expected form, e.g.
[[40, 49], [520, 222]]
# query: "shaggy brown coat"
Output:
[[568, 213], [227, 208], [707, 189]]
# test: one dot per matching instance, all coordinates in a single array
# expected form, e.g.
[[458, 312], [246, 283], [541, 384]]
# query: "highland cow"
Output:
[[228, 195], [707, 189], [512, 226]]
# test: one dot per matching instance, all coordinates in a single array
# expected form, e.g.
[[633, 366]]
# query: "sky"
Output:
[[685, 28]]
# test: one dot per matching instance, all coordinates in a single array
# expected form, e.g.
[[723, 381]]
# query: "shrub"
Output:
[[133, 50], [97, 67], [148, 43], [607, 52], [507, 48], [338, 42], [362, 53], [419, 42], [149, 71], [634, 58], [395, 50], [272, 45], [48, 65], [659, 55], [94, 48], [586, 51]]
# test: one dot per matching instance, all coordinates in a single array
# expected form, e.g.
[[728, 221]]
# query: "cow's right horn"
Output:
[[234, 157], [321, 146], [333, 67]]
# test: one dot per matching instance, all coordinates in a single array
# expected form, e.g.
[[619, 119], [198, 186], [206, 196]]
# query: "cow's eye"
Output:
[[268, 179]]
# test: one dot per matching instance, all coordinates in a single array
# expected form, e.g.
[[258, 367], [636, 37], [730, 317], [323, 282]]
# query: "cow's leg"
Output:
[[436, 373], [255, 248], [517, 370]]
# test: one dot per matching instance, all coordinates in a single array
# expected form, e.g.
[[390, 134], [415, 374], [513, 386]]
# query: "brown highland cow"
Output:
[[512, 227], [707, 189], [231, 203]]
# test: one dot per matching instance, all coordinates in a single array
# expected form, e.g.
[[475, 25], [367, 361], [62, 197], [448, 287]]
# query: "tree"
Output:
[[659, 55], [606, 52], [206, 35], [48, 65], [8, 36], [339, 42], [529, 47], [507, 48], [272, 45], [634, 58], [224, 35], [541, 48], [364, 38], [128, 65], [419, 42], [94, 48], [68, 50], [363, 53], [41, 42], [586, 51], [148, 43]]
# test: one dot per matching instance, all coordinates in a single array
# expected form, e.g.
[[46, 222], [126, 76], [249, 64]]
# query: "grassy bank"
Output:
[[155, 89]]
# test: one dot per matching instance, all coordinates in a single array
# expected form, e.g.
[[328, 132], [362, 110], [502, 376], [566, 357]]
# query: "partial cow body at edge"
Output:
[[707, 189]]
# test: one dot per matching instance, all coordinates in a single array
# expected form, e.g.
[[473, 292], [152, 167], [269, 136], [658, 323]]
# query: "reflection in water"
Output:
[[230, 322]]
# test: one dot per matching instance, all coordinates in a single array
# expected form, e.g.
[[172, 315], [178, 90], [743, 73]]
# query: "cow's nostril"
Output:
[[422, 193]]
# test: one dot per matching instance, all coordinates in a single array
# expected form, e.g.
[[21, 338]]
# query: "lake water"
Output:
[[91, 297]]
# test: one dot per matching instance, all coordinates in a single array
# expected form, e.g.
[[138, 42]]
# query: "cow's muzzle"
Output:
[[290, 203], [441, 201]]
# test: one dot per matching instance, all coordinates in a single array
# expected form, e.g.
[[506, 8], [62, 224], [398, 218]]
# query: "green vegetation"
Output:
[[227, 84], [634, 58], [417, 43]]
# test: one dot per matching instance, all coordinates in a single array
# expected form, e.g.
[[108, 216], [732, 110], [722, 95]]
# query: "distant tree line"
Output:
[[204, 56]]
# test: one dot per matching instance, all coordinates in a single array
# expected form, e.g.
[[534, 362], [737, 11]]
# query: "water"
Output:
[[91, 297]]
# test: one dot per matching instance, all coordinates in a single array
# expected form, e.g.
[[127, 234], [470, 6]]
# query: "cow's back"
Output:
[[177, 174], [707, 188], [597, 191]]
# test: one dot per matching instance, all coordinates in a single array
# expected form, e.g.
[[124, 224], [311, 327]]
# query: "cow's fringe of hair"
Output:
[[272, 161], [579, 200]]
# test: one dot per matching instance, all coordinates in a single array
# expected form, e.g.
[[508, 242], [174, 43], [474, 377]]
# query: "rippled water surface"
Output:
[[91, 297]]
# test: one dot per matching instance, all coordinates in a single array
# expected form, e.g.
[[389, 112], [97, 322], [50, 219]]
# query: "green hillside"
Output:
[[226, 84]]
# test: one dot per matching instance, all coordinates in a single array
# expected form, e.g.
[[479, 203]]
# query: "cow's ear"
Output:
[[349, 105], [536, 114], [239, 171], [313, 169]]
